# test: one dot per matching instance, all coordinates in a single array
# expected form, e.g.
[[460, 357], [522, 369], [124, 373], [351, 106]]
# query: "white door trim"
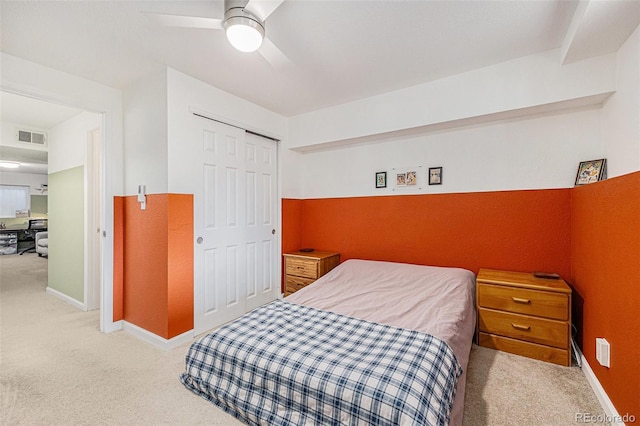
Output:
[[93, 240], [110, 121]]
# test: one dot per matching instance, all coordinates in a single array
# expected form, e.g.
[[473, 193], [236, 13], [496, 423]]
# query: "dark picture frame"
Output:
[[435, 175], [591, 171], [381, 179]]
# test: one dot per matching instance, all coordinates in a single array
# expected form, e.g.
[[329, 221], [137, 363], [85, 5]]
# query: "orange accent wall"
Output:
[[605, 265], [514, 230], [158, 263], [291, 227], [291, 224], [180, 268]]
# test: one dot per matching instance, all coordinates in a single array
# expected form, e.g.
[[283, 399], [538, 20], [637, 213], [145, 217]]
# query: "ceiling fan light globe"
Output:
[[245, 35]]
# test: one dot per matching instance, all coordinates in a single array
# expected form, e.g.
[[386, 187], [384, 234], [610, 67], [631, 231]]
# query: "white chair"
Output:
[[42, 243]]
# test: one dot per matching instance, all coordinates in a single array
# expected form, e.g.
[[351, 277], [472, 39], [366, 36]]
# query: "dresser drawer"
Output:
[[524, 301], [293, 283], [530, 329], [301, 267]]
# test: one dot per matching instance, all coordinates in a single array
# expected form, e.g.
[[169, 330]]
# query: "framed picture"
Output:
[[407, 179], [381, 179], [411, 178], [435, 175], [591, 171]]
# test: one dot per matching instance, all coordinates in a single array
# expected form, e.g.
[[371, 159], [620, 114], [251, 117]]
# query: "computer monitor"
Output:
[[38, 224]]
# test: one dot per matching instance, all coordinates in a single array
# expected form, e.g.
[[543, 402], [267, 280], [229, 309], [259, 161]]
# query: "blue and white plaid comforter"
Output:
[[287, 364]]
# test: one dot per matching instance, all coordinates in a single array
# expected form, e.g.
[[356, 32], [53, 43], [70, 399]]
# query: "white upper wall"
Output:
[[531, 82], [68, 141], [528, 153], [145, 133], [187, 95], [9, 136], [621, 113]]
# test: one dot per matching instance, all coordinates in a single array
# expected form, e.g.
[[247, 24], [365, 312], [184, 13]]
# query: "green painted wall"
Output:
[[39, 206], [66, 232]]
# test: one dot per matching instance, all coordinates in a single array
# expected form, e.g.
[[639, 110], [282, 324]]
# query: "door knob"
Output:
[[199, 240]]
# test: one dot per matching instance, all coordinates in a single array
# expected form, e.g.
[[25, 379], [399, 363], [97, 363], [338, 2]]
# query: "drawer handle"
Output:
[[520, 327], [519, 300]]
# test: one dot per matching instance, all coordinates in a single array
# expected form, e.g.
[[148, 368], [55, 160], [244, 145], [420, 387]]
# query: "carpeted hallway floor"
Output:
[[56, 368]]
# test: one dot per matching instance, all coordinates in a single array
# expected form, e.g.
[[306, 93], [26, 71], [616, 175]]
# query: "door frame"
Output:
[[111, 128], [93, 216]]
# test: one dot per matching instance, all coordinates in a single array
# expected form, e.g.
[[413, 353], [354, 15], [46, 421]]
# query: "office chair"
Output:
[[35, 226]]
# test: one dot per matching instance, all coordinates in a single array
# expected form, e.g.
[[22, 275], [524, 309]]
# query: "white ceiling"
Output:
[[340, 50], [29, 114], [33, 113]]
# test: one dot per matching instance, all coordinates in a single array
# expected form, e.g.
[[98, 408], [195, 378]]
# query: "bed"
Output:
[[368, 343]]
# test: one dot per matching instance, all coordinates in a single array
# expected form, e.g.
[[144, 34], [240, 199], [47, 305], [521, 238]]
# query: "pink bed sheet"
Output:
[[433, 300]]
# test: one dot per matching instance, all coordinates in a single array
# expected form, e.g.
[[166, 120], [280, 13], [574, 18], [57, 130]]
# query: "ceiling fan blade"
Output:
[[262, 8], [273, 55], [183, 21]]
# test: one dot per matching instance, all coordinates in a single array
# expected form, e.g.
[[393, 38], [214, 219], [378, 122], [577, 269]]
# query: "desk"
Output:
[[9, 241]]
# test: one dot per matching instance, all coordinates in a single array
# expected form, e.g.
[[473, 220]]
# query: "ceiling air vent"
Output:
[[32, 137]]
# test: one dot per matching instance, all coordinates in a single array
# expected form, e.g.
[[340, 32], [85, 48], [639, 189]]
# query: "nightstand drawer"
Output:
[[302, 267], [530, 329], [531, 350], [524, 301], [293, 283]]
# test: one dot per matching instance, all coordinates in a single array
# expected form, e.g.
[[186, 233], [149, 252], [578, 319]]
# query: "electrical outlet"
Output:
[[603, 352]]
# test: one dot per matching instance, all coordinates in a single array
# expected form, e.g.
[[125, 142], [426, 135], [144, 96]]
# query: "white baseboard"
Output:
[[155, 340], [113, 326], [69, 300], [609, 410]]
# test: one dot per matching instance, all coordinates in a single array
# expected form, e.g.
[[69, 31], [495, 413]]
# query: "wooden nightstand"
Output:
[[303, 268], [524, 315]]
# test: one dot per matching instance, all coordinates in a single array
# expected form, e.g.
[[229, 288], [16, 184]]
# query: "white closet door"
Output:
[[262, 252], [234, 209]]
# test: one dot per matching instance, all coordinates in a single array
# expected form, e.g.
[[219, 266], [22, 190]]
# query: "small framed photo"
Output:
[[411, 178], [381, 179], [407, 179], [591, 171], [435, 175]]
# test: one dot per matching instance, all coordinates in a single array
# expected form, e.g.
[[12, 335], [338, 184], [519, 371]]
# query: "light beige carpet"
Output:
[[56, 368]]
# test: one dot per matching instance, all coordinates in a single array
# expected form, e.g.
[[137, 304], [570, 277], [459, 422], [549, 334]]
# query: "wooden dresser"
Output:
[[524, 315], [303, 268]]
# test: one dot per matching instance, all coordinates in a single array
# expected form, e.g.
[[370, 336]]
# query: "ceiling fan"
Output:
[[243, 23], [42, 188]]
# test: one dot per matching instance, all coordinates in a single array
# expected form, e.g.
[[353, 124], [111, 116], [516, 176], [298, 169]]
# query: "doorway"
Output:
[[72, 141]]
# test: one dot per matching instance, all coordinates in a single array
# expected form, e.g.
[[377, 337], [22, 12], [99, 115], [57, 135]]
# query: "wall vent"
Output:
[[35, 138]]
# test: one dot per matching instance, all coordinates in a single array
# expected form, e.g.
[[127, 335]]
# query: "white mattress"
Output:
[[433, 300]]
